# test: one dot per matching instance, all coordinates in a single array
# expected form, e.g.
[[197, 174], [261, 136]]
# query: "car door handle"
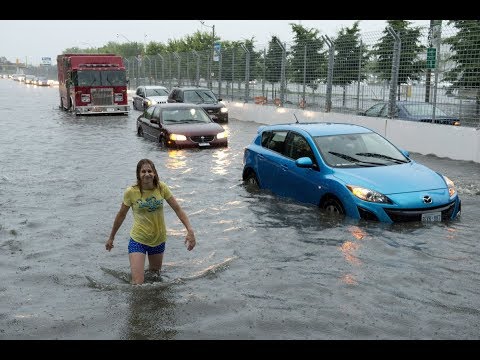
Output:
[[284, 167], [261, 157]]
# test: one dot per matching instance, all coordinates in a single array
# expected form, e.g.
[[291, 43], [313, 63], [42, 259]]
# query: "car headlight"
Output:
[[177, 137], [222, 135], [368, 195], [223, 110], [451, 186]]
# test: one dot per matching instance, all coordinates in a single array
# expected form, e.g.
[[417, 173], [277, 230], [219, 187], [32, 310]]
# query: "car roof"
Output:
[[177, 106], [320, 129], [153, 87], [192, 88]]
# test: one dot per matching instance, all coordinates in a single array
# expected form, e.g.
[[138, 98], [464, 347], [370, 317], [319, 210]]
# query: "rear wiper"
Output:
[[381, 156]]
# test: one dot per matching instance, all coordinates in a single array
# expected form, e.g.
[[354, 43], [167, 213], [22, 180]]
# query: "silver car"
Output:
[[148, 95]]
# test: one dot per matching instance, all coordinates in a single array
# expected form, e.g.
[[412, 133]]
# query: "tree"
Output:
[[351, 56], [411, 66], [465, 46], [273, 62], [315, 67]]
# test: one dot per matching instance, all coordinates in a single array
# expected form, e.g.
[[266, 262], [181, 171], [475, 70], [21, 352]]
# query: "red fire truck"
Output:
[[92, 84]]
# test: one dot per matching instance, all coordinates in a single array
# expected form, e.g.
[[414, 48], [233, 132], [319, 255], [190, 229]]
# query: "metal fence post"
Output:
[[304, 75], [282, 71], [437, 40], [220, 75], [247, 72], [233, 69], [331, 64], [176, 56], [128, 72], [359, 74], [197, 75], [395, 68]]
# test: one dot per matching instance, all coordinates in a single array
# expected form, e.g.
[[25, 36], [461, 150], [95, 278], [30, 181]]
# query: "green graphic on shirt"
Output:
[[150, 203]]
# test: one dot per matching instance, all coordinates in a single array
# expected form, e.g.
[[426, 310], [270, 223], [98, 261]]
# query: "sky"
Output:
[[31, 40]]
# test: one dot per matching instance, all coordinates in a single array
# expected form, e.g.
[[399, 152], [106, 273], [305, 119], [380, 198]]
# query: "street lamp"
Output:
[[213, 50]]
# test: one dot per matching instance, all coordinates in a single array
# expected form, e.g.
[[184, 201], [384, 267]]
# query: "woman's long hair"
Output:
[[156, 180]]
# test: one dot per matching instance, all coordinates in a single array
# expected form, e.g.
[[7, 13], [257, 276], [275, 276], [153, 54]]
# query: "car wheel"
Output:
[[251, 180], [162, 141], [133, 104], [333, 206], [140, 131]]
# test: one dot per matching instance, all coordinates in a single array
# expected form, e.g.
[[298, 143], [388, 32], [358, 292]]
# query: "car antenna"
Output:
[[296, 122]]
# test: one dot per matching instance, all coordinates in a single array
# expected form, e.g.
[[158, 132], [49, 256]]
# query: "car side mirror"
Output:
[[304, 162]]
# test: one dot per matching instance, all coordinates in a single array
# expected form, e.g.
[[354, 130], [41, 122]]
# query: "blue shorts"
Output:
[[134, 246]]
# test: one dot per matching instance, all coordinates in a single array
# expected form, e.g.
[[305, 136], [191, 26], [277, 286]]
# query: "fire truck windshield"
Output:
[[100, 78]]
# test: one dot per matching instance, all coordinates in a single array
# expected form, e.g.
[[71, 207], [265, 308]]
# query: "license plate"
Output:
[[203, 144], [430, 217], [110, 109]]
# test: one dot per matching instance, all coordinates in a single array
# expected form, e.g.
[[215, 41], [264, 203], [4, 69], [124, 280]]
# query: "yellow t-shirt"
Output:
[[148, 221]]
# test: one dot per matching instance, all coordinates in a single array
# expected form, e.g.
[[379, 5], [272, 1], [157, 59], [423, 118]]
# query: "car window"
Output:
[[156, 113], [149, 112], [423, 110], [375, 110], [156, 92], [199, 96], [297, 146], [349, 150], [277, 141], [384, 112], [187, 115]]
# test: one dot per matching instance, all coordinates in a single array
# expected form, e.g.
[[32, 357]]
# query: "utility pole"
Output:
[[210, 63]]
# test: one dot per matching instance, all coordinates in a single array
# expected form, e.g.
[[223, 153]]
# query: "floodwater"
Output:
[[263, 267]]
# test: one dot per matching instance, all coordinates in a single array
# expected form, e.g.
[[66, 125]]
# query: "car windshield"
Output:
[[199, 97], [358, 150], [156, 92], [423, 110], [185, 116]]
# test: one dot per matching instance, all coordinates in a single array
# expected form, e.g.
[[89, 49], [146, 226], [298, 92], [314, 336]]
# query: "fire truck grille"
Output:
[[102, 96]]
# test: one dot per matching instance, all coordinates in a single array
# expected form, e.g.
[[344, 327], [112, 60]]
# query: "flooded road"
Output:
[[263, 267]]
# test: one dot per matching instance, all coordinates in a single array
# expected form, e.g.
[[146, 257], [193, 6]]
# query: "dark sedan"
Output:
[[203, 97], [180, 126], [413, 111]]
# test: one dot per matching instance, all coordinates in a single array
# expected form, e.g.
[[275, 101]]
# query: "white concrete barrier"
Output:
[[454, 142]]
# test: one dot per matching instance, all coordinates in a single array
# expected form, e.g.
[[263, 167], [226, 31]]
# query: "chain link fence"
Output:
[[348, 74]]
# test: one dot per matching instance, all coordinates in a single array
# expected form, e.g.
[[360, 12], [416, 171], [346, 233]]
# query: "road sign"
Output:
[[216, 51], [431, 58], [46, 61]]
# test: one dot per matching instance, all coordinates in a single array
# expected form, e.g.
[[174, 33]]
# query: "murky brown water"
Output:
[[263, 268]]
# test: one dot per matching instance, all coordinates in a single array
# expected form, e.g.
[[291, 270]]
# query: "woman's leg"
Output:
[[155, 262], [137, 266]]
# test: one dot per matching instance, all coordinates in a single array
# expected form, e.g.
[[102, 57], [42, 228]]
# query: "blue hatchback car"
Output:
[[349, 170]]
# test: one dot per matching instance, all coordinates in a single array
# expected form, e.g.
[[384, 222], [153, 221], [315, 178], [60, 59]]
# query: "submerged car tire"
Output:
[[140, 131], [251, 180], [332, 206]]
